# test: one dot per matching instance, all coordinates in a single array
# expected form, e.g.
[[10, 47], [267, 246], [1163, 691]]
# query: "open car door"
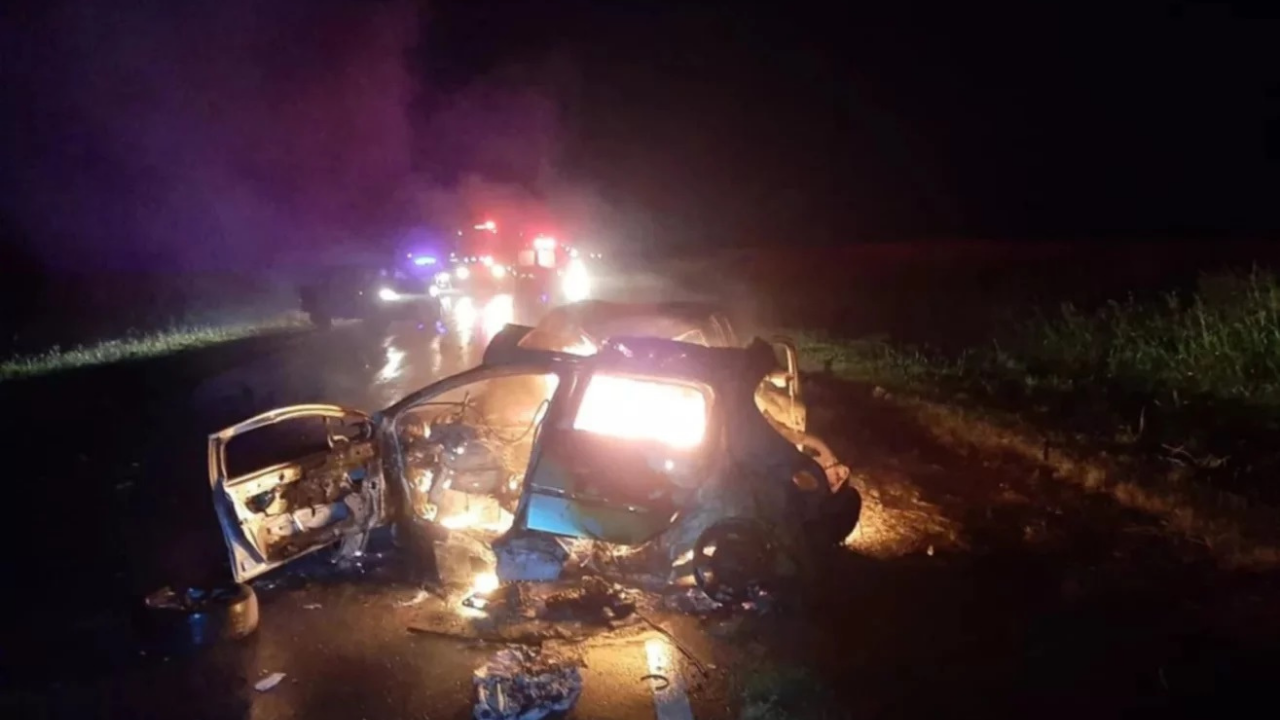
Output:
[[778, 396], [619, 459], [328, 489]]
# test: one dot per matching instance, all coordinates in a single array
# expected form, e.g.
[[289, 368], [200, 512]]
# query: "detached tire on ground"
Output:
[[194, 617], [840, 516]]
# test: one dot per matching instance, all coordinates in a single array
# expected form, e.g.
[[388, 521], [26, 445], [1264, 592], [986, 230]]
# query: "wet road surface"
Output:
[[143, 519], [977, 587]]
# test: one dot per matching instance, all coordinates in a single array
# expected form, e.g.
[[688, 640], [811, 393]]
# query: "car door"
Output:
[[618, 457], [778, 396], [321, 485], [462, 445]]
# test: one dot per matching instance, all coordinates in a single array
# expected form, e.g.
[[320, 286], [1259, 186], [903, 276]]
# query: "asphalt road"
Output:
[[124, 507], [975, 586]]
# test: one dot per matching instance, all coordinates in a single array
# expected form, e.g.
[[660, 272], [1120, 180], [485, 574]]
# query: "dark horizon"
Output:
[[294, 128]]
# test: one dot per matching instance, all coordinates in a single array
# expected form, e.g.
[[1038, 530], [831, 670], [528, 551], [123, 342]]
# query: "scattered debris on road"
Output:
[[535, 558], [417, 599], [460, 557], [691, 601], [522, 684], [596, 601], [269, 682]]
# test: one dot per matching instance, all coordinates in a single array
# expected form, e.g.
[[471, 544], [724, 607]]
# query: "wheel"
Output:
[[840, 515], [732, 559], [199, 616]]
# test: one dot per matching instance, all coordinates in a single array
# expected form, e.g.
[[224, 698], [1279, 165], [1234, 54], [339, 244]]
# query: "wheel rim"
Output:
[[733, 560]]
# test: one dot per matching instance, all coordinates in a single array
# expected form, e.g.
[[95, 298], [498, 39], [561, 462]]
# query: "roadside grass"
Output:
[[1172, 404], [784, 693], [144, 345]]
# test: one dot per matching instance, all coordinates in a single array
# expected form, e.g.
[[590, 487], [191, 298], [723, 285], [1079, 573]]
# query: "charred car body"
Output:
[[648, 442]]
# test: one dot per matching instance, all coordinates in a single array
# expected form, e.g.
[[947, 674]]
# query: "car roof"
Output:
[[650, 355], [602, 318]]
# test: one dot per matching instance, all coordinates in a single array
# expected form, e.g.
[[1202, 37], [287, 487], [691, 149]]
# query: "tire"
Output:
[[840, 516], [196, 617], [732, 559]]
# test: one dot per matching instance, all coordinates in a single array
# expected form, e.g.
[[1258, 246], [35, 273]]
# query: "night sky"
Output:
[[198, 134], [907, 119]]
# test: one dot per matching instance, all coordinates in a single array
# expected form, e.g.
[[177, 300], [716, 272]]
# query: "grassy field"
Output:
[[1178, 393], [138, 345]]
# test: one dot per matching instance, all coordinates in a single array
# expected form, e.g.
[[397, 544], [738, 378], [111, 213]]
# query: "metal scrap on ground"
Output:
[[520, 684], [268, 682]]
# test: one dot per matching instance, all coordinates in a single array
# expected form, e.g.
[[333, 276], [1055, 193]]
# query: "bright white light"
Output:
[[394, 366], [484, 584], [433, 291], [489, 225], [582, 347], [544, 242], [442, 277], [497, 313], [466, 313], [577, 281], [462, 273], [498, 271], [671, 413], [487, 259], [388, 295]]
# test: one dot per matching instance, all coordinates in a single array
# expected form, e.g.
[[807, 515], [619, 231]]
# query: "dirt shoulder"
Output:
[[982, 584]]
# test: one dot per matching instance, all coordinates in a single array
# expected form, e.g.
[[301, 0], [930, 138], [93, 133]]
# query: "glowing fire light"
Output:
[[670, 413], [484, 583], [473, 520], [458, 522], [477, 599]]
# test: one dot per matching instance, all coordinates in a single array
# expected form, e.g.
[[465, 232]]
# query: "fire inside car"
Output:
[[465, 451], [651, 444]]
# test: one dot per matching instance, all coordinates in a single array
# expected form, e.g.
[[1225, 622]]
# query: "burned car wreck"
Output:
[[680, 452]]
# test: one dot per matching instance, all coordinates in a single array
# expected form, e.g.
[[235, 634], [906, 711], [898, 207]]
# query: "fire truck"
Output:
[[488, 260]]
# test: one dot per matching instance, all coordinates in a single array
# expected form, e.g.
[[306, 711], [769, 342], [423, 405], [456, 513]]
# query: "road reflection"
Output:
[[394, 366], [476, 320]]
